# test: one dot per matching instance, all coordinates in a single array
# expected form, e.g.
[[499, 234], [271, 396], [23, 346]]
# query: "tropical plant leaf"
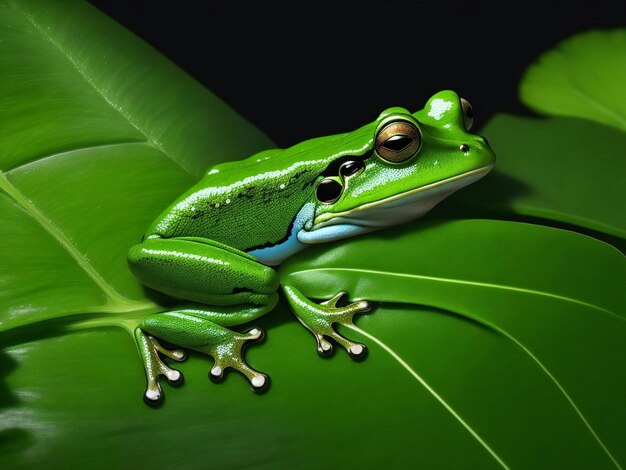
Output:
[[98, 136], [581, 77], [563, 169], [508, 380], [554, 295]]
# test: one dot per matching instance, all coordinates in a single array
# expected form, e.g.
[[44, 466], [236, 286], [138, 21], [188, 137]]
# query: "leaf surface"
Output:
[[476, 353], [99, 133], [583, 77], [498, 370], [562, 169], [536, 288]]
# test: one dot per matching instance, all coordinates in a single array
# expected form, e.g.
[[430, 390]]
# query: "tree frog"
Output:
[[215, 247]]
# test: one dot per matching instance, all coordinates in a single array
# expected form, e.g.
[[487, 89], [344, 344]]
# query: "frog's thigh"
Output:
[[203, 271]]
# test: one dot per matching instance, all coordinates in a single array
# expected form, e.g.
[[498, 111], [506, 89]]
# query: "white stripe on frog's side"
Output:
[[274, 255], [331, 233]]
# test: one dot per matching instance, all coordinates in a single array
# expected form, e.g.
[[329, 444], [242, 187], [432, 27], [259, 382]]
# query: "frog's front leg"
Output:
[[235, 289], [320, 318]]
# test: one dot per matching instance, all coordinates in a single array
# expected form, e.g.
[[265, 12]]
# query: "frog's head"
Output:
[[405, 164]]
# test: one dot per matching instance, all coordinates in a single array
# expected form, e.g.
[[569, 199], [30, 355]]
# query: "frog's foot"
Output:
[[321, 318], [151, 350], [194, 328], [229, 354]]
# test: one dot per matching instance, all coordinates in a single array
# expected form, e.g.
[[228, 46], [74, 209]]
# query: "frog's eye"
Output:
[[328, 190], [350, 168], [398, 141], [468, 114]]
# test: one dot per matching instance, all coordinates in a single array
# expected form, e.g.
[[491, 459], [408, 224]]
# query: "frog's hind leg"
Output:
[[200, 328], [229, 287]]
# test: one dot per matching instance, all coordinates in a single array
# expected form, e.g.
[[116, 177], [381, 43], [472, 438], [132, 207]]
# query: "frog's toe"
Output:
[[256, 335], [338, 301], [324, 348], [260, 383], [153, 395], [216, 374], [357, 351], [174, 377], [344, 314], [177, 355], [258, 380]]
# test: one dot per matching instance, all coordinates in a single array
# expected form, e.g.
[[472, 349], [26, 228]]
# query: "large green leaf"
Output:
[[516, 362], [582, 77], [563, 169], [527, 372]]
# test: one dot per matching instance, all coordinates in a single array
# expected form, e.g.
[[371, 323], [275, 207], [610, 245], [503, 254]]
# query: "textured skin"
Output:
[[246, 199], [196, 250], [202, 271]]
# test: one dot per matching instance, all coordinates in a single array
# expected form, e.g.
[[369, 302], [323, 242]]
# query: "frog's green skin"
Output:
[[213, 247]]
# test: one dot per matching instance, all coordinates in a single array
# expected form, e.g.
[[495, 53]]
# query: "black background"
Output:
[[301, 69]]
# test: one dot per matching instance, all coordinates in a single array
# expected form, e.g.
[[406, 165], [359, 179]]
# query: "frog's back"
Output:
[[253, 203], [243, 206]]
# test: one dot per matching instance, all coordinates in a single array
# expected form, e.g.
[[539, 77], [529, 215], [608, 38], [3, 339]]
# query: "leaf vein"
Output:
[[557, 384], [438, 397], [473, 283], [151, 139], [602, 108], [75, 150]]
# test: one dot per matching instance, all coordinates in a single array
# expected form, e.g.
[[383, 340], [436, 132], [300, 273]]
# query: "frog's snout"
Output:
[[475, 142], [478, 147]]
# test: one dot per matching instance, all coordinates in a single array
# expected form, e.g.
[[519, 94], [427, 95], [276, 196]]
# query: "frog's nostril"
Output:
[[464, 148], [486, 141]]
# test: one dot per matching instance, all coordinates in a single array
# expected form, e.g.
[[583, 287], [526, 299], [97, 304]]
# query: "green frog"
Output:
[[216, 246]]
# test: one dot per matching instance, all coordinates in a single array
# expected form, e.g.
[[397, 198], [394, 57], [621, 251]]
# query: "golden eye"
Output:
[[468, 114], [398, 141]]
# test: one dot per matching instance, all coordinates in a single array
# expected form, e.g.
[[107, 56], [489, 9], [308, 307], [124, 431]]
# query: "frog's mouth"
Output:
[[393, 210]]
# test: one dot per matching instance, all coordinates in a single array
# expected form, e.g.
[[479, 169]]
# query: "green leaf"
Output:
[[99, 133], [518, 361], [528, 371], [581, 77], [554, 300], [561, 169]]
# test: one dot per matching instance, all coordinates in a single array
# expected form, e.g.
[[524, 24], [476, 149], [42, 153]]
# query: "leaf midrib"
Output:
[[62, 239], [114, 299]]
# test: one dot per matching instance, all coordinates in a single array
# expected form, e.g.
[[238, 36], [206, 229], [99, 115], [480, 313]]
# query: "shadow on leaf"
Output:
[[11, 439]]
